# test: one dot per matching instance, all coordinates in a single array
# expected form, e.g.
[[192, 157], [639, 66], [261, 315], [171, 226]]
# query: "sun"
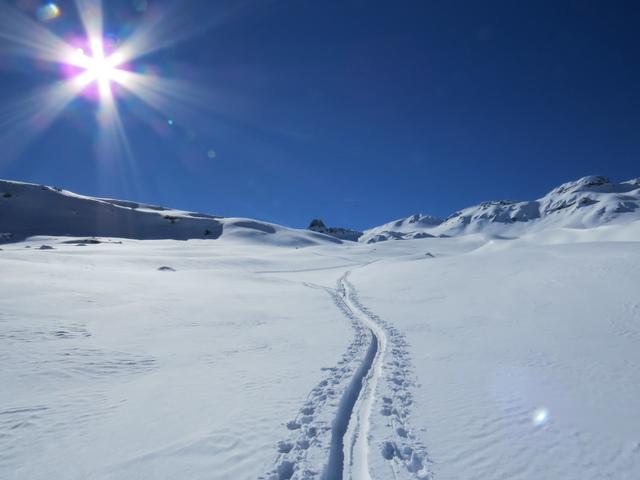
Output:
[[111, 66], [97, 67]]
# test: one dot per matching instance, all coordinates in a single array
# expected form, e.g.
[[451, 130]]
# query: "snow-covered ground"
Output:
[[271, 353], [527, 355], [112, 368]]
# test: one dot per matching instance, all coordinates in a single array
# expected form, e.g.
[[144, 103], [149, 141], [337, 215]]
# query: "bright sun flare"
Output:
[[97, 65], [98, 68]]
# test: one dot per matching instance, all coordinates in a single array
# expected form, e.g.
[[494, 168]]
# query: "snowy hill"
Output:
[[28, 209], [586, 203]]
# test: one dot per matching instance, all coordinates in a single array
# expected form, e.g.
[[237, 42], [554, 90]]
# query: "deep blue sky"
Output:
[[360, 112]]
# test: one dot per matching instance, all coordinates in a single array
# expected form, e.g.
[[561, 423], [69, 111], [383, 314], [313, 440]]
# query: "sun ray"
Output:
[[26, 37], [163, 29], [157, 91], [112, 138], [172, 25], [91, 16], [21, 121]]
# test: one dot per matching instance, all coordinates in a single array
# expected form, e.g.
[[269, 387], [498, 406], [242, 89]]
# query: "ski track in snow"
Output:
[[352, 449], [329, 437]]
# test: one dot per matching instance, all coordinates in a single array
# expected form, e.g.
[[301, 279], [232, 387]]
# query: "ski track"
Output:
[[329, 437], [354, 444]]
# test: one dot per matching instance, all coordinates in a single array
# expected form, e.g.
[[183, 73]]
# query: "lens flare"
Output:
[[48, 12], [540, 417]]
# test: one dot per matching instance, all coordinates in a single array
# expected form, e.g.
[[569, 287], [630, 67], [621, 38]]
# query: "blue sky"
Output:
[[357, 112]]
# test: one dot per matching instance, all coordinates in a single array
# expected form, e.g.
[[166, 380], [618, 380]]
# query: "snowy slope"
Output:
[[526, 353], [585, 203], [28, 209], [116, 368]]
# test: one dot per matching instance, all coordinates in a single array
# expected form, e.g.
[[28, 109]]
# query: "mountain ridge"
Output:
[[28, 209], [588, 202]]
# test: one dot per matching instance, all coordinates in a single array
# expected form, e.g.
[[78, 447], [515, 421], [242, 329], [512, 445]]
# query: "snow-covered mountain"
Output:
[[415, 226], [28, 209], [318, 225], [588, 202]]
